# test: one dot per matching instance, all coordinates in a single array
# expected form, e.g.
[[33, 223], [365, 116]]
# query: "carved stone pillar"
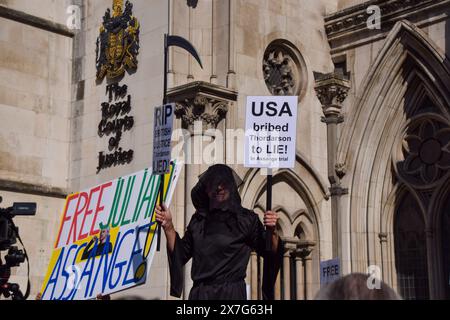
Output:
[[384, 256], [332, 90], [278, 287], [300, 278], [309, 279], [287, 271], [287, 275], [210, 112], [303, 252], [202, 108]]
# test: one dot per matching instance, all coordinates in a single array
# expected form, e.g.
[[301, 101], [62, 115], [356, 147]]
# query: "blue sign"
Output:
[[330, 271]]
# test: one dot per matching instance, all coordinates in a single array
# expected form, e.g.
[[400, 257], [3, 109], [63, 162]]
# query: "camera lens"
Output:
[[14, 257]]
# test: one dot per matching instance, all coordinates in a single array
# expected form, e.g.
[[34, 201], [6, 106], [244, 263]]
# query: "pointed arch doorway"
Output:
[[396, 146]]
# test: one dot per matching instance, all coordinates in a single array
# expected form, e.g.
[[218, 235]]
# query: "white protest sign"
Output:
[[270, 136], [162, 136]]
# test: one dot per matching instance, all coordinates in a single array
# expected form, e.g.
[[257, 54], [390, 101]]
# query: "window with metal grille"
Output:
[[410, 251]]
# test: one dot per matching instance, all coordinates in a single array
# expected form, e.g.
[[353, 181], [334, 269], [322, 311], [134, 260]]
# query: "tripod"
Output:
[[9, 290], [9, 234]]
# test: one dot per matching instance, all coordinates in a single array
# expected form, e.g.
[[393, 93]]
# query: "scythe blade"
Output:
[[186, 45]]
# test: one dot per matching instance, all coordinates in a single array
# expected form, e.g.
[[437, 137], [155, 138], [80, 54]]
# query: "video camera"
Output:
[[9, 234]]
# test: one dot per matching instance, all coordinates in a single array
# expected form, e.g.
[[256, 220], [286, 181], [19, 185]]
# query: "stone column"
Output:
[[384, 257], [304, 251], [190, 77], [332, 90], [171, 19], [300, 278], [231, 75], [287, 275], [278, 287], [309, 280], [201, 107]]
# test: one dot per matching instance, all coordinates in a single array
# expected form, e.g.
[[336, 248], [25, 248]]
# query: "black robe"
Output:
[[219, 243]]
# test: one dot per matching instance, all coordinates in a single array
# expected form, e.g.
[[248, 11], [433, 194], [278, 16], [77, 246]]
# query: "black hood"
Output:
[[209, 181]]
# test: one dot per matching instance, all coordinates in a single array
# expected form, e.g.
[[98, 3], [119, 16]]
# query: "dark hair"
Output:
[[355, 287]]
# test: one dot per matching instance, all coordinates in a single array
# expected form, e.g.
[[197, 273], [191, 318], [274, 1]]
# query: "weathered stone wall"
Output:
[[35, 75], [35, 95], [145, 87], [343, 4], [53, 10]]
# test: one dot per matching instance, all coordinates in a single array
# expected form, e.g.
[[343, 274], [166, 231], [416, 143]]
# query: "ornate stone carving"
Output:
[[355, 18], [383, 237], [209, 111], [344, 26], [192, 3], [332, 94], [341, 170], [304, 249], [278, 73], [201, 101], [426, 149], [331, 90], [337, 190], [282, 69]]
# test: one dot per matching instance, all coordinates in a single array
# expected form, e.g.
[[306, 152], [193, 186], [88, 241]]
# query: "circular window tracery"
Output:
[[284, 69], [426, 150]]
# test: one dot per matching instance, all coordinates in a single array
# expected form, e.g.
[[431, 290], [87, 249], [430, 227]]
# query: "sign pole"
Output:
[[269, 233], [269, 207], [166, 68], [161, 202], [161, 187]]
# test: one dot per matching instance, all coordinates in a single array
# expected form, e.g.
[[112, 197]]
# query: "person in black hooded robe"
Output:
[[219, 239]]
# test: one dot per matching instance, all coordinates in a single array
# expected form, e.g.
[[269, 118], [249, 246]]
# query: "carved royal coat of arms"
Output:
[[118, 42]]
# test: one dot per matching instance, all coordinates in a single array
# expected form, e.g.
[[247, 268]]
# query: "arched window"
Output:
[[299, 233], [410, 250]]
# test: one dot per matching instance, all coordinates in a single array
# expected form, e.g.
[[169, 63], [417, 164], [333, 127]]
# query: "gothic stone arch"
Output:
[[309, 191], [409, 70]]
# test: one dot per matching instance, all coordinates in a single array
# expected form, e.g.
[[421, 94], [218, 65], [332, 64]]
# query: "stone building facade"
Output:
[[371, 180]]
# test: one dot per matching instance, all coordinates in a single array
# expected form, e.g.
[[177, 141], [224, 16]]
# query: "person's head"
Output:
[[356, 286], [217, 189], [103, 235]]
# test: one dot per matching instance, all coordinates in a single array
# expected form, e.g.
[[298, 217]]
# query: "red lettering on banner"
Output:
[[99, 208], [78, 211], [88, 212], [65, 217]]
